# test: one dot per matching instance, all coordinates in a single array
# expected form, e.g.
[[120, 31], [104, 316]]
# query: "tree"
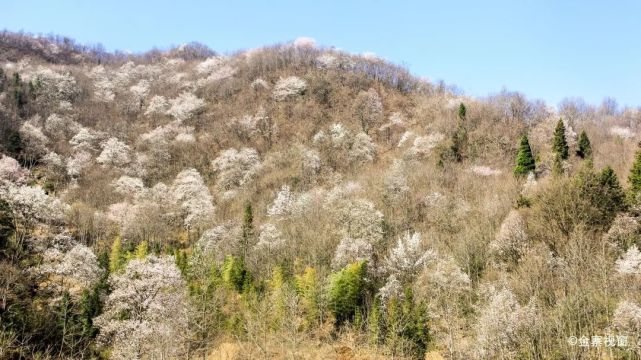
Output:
[[7, 226], [612, 199], [635, 173], [462, 111], [559, 143], [308, 288], [585, 148], [368, 109], [346, 290], [115, 255], [524, 159], [248, 229], [147, 311], [289, 87], [235, 275], [114, 153]]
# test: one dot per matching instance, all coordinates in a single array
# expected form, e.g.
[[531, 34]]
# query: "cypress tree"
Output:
[[584, 150], [559, 144], [524, 159], [635, 173], [462, 111]]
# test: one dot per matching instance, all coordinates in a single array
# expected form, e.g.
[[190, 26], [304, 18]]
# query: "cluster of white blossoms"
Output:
[[56, 87], [78, 162], [173, 131], [423, 145], [235, 168], [158, 105], [32, 204], [622, 132], [270, 239], [339, 142], [360, 225], [630, 262], [327, 61], [503, 324], [259, 84], [189, 190], [85, 139], [510, 242], [60, 127], [185, 106], [395, 182], [408, 257], [213, 245], [484, 170], [33, 136], [215, 69], [289, 87], [627, 318], [10, 170], [71, 268], [147, 310], [283, 204], [128, 186], [114, 153]]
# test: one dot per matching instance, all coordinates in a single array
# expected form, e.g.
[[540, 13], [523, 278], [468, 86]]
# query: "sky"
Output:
[[546, 49]]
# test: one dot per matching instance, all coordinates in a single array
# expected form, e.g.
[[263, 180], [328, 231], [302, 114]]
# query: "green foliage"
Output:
[[584, 150], [557, 165], [308, 288], [115, 256], [141, 250], [559, 143], [635, 173], [7, 227], [524, 159], [346, 291], [234, 274], [462, 111], [248, 228], [374, 331], [181, 260], [611, 195]]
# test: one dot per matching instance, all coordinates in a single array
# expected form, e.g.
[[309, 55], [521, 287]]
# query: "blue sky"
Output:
[[546, 49]]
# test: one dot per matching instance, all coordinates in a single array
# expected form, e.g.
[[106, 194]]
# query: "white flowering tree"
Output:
[[510, 242], [288, 88], [408, 257], [235, 168], [31, 204], [158, 105], [185, 106], [114, 153], [146, 313], [193, 196], [395, 182], [368, 109], [71, 268], [630, 262], [503, 325], [78, 162], [10, 170]]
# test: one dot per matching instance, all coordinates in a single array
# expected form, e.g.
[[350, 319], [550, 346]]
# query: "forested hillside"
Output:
[[300, 202]]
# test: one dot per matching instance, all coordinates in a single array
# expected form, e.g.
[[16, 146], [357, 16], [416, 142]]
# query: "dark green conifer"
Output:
[[524, 159], [559, 143], [584, 150]]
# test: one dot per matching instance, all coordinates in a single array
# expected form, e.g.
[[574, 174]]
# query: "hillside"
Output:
[[296, 201]]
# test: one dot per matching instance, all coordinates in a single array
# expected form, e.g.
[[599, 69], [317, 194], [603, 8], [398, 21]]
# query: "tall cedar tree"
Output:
[[559, 144], [613, 199], [635, 173], [462, 111], [585, 148], [524, 159]]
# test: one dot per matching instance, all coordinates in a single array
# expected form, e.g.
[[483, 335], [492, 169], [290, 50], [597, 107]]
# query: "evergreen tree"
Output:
[[613, 196], [559, 143], [557, 166], [115, 256], [584, 150], [462, 111], [345, 293], [142, 250], [524, 159], [635, 174], [234, 273]]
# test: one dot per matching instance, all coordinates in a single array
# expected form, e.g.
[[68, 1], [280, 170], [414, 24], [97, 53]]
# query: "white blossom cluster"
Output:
[[147, 311], [423, 145], [10, 170], [32, 204], [235, 168], [510, 242], [193, 196], [185, 106], [408, 257], [114, 153], [72, 268], [289, 87], [630, 262]]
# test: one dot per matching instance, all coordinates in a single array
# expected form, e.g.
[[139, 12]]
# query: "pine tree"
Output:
[[613, 196], [234, 273], [635, 174], [584, 150], [524, 159], [115, 256], [462, 111], [559, 143]]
